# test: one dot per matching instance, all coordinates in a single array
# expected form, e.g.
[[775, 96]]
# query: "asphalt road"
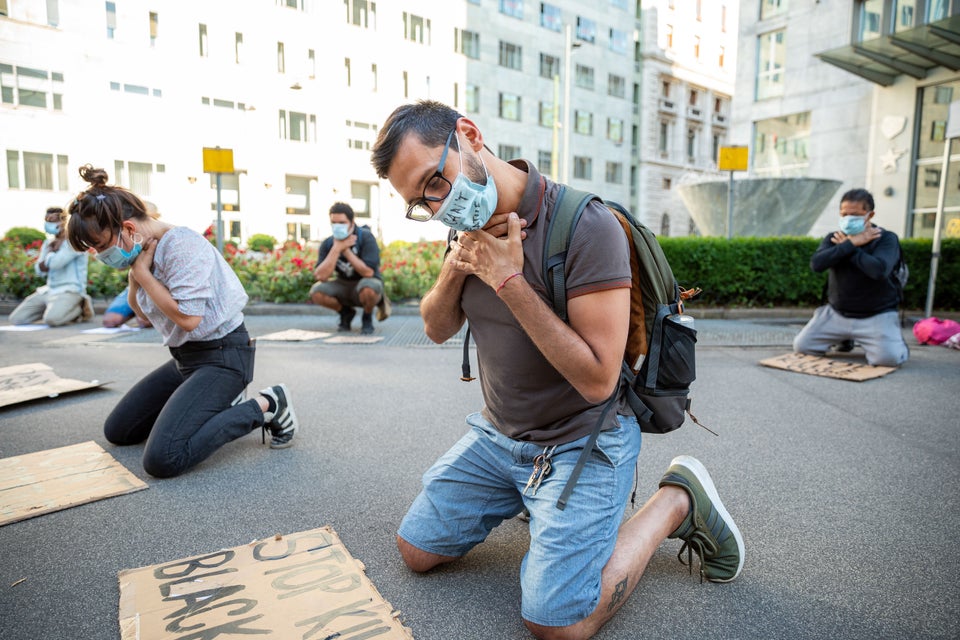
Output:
[[847, 494]]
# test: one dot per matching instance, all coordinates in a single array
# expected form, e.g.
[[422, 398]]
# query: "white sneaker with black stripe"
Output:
[[282, 422]]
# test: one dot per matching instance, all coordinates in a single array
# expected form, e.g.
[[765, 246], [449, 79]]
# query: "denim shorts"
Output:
[[479, 483]]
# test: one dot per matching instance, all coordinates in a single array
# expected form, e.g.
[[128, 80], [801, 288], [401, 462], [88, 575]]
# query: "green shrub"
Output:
[[261, 242], [24, 236], [18, 278], [103, 281]]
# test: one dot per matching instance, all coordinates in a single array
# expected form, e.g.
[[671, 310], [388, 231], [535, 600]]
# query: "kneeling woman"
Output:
[[192, 405]]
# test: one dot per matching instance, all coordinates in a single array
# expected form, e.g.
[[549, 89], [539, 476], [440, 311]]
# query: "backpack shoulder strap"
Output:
[[566, 214]]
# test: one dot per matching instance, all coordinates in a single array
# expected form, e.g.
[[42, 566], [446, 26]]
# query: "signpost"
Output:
[[953, 131], [218, 161], [732, 159]]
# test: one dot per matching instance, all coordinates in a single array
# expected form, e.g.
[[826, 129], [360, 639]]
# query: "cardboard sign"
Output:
[[36, 380], [827, 367], [302, 585], [47, 481], [348, 339], [295, 335]]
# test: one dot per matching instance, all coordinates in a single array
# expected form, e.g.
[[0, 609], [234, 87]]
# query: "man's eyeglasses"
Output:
[[436, 190]]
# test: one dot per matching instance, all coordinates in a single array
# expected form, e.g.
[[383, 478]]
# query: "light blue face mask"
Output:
[[53, 228], [469, 205], [852, 225], [117, 257], [340, 230]]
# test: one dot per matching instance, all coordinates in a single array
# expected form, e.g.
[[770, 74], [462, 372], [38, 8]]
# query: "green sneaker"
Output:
[[708, 529]]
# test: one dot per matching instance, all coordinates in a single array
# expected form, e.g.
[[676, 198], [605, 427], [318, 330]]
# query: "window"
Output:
[[586, 30], [669, 36], [361, 135], [154, 27], [508, 151], [510, 55], [41, 171], [616, 86], [582, 168], [870, 19], [615, 130], [583, 122], [361, 194], [663, 139], [694, 97], [512, 8], [111, 20], [136, 89], [30, 87], [472, 98], [584, 77], [204, 48], [281, 59], [297, 201], [780, 145], [618, 41], [416, 28], [665, 220], [545, 161], [772, 56], [346, 72], [619, 4], [140, 178], [467, 43], [237, 47], [699, 10], [53, 12], [721, 59], [691, 144], [937, 10], [770, 8], [715, 148], [723, 18], [665, 88], [696, 47], [510, 106], [547, 114], [311, 64], [904, 16], [666, 184], [361, 13], [614, 173], [549, 66], [292, 4], [374, 79], [300, 127], [550, 17]]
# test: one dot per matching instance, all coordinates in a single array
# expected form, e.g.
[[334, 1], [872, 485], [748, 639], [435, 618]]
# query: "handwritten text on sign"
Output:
[[304, 585]]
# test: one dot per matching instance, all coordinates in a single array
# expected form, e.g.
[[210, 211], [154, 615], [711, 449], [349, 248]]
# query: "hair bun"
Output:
[[96, 177]]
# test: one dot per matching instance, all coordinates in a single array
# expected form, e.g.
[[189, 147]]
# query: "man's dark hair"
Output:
[[54, 210], [858, 195], [429, 120], [344, 208]]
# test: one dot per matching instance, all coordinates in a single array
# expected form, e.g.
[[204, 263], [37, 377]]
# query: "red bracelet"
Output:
[[508, 279]]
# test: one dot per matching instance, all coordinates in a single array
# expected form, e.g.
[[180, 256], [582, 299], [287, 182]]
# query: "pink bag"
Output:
[[935, 330]]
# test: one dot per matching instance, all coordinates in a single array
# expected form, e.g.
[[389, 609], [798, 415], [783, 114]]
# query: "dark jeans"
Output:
[[183, 408]]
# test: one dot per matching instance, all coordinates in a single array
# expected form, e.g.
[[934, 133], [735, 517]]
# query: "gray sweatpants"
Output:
[[879, 335]]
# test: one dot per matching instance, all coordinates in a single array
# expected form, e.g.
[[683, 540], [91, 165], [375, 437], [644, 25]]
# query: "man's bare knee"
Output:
[[419, 560], [577, 631]]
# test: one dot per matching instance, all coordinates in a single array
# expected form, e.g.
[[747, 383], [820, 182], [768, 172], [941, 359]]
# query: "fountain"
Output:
[[761, 206]]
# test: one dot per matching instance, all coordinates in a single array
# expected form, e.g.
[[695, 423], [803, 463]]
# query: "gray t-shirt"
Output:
[[524, 396], [201, 282]]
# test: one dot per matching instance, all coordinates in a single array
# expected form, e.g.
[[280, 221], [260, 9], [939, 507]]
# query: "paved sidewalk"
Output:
[[847, 493]]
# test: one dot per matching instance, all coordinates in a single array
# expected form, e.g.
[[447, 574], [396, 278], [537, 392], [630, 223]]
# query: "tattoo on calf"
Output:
[[619, 593]]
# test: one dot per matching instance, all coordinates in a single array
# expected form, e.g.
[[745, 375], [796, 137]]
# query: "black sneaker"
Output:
[[845, 347], [346, 317], [282, 423], [367, 326]]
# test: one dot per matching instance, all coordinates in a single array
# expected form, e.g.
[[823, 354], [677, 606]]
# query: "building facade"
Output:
[[857, 92], [297, 89], [686, 77]]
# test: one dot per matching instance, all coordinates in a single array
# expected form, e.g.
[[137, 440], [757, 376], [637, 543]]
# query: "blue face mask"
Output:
[[340, 230], [117, 257], [53, 228], [852, 225], [469, 205]]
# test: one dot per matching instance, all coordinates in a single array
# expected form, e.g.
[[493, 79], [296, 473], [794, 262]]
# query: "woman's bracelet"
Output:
[[508, 279]]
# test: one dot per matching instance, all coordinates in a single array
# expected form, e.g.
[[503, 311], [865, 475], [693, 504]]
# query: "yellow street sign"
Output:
[[217, 160], [732, 159]]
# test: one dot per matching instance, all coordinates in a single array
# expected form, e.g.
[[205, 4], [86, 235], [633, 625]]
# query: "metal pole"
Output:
[[730, 208], [935, 255], [555, 151], [219, 218], [567, 53]]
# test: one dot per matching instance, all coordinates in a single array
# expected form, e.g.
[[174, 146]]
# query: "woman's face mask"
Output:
[[53, 228], [469, 205], [340, 230], [119, 258]]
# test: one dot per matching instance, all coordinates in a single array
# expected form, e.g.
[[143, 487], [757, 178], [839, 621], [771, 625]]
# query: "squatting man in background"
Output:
[[862, 297], [544, 386], [353, 256]]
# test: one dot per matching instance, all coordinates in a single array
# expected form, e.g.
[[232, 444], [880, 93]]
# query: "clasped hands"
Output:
[[866, 236], [492, 253]]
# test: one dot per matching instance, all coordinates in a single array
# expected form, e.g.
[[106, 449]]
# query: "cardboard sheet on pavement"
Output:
[[24, 382], [300, 585], [349, 339], [841, 368], [294, 335], [55, 479]]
